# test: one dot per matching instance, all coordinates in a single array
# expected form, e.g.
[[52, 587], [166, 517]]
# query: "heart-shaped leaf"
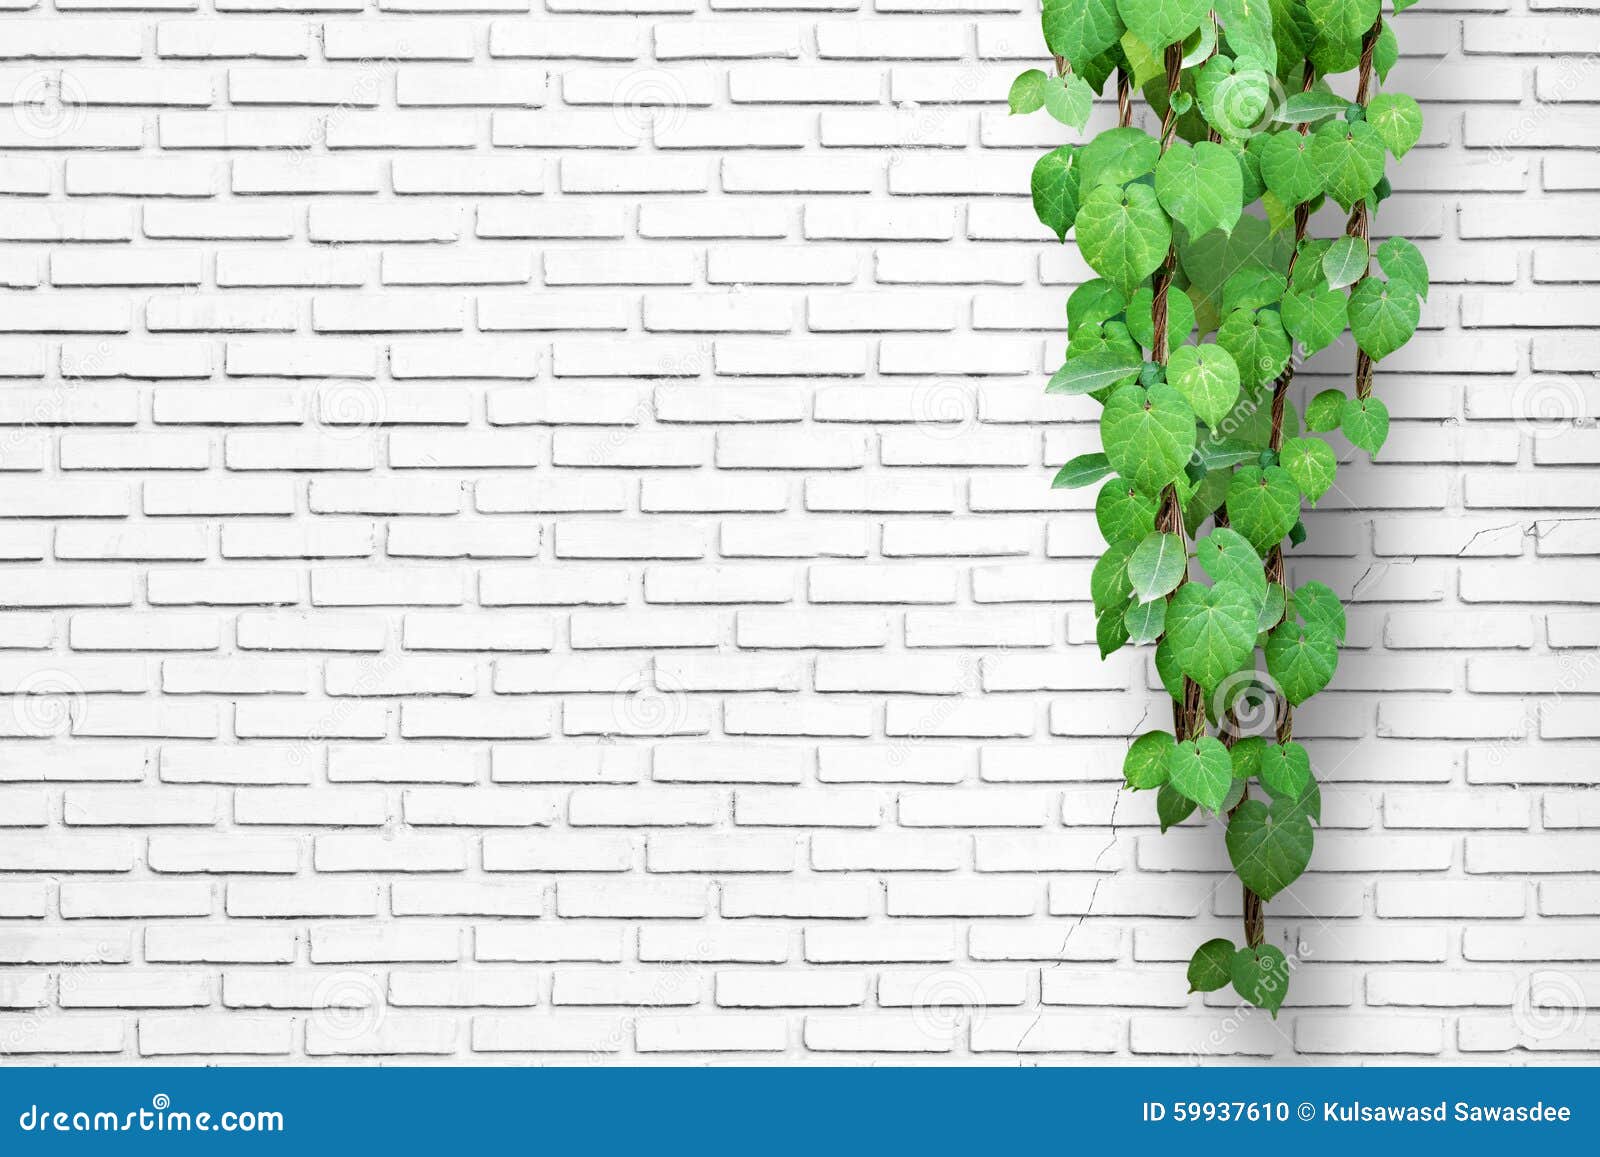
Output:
[[1148, 434], [1054, 186], [1311, 463], [1365, 421], [1287, 167], [1027, 91], [1121, 511], [1068, 99], [1260, 976], [1145, 765], [1350, 158], [1157, 565], [1285, 769], [1263, 503], [1383, 316], [1208, 378], [1201, 186], [1159, 23], [1317, 605], [1397, 119], [1145, 621], [1314, 317], [1212, 630], [1201, 770], [1211, 966], [1080, 30], [1268, 852], [1123, 234], [1301, 659], [1345, 262], [1323, 411], [1403, 264], [1172, 806]]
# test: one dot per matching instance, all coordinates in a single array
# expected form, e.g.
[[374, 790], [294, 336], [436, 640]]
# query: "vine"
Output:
[[1187, 338]]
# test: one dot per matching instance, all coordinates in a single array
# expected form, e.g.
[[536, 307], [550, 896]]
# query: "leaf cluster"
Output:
[[1208, 218]]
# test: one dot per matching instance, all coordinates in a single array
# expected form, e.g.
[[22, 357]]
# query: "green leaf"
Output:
[[1227, 557], [1308, 107], [1093, 371], [1297, 533], [1258, 343], [1383, 316], [1123, 234], [1172, 807], [1106, 337], [1350, 159], [1260, 976], [1386, 54], [1156, 566], [1402, 263], [1145, 621], [1249, 25], [1401, 5], [1308, 265], [1207, 377], [1180, 317], [1398, 121], [1068, 99], [1342, 19], [1118, 156], [1093, 302], [1159, 23], [1083, 470], [1234, 95], [1311, 463], [1148, 434], [1027, 91], [1145, 765], [1201, 770], [1212, 630], [1317, 604], [1263, 503], [1109, 585], [1121, 511], [1080, 30], [1055, 189], [1268, 852], [1200, 186], [1365, 422], [1272, 606], [1109, 631], [1314, 317], [1323, 412], [1210, 260], [1345, 263], [1247, 756], [1167, 669], [1211, 967], [1285, 769], [1252, 287], [1301, 660]]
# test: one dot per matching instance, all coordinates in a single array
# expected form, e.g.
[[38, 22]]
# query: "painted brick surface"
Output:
[[527, 536]]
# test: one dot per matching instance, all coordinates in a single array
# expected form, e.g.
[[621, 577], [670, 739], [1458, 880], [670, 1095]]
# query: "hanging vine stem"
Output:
[[1184, 338]]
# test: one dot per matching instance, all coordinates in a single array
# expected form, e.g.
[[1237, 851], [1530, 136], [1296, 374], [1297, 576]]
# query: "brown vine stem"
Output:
[[1189, 712], [1255, 917], [1359, 223]]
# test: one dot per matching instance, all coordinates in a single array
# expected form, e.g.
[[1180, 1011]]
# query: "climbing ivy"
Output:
[[1207, 282]]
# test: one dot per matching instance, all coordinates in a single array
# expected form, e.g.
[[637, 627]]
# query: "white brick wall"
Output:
[[528, 537]]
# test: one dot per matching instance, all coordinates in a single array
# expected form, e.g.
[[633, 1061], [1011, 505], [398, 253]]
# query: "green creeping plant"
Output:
[[1208, 284]]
